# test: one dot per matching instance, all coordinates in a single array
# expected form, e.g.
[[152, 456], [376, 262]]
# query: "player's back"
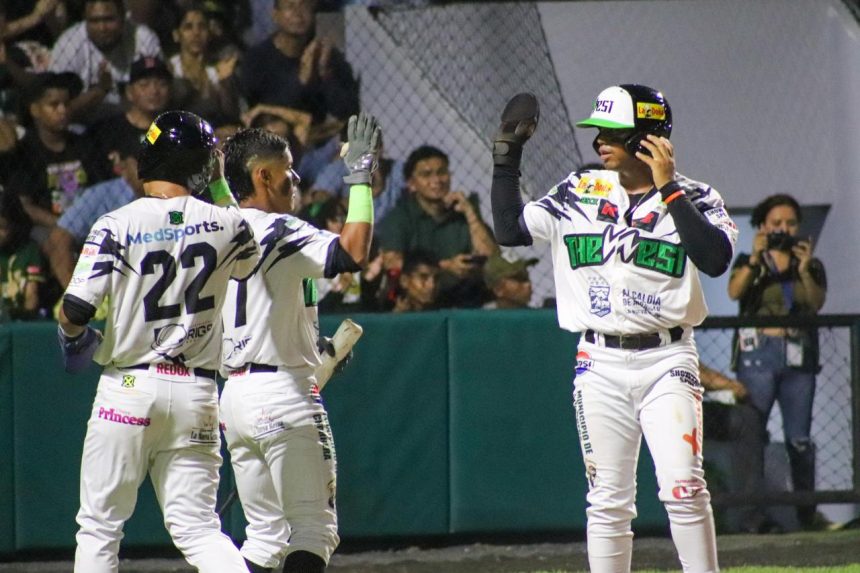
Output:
[[272, 317], [165, 264]]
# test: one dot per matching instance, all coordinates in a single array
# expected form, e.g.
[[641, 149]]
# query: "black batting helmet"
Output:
[[179, 148], [637, 108]]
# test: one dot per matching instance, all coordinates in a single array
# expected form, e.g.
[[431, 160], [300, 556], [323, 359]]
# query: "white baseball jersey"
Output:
[[620, 278], [271, 318], [165, 264]]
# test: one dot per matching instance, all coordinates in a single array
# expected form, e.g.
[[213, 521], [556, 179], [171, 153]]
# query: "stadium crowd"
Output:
[[81, 81]]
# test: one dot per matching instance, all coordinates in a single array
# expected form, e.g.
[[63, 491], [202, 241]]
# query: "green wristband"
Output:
[[221, 194], [360, 204]]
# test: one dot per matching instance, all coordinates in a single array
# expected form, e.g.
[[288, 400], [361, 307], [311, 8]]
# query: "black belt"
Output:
[[254, 368], [202, 372], [634, 341]]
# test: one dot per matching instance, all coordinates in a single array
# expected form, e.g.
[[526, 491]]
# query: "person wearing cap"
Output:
[[509, 282], [52, 165], [628, 242], [100, 50], [68, 235], [147, 94]]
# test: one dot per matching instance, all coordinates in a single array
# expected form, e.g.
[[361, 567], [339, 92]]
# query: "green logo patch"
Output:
[[309, 286], [176, 217], [128, 381]]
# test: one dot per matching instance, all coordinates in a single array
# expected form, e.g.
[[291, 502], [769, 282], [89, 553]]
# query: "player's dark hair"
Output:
[[420, 154], [760, 211], [19, 222], [244, 148], [413, 259]]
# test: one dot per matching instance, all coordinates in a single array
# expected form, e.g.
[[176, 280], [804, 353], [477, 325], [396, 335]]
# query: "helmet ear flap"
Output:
[[634, 143]]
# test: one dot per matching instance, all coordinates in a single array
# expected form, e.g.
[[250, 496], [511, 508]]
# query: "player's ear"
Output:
[[260, 176]]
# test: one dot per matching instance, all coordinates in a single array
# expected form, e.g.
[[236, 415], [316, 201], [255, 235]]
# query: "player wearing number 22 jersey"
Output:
[[164, 262]]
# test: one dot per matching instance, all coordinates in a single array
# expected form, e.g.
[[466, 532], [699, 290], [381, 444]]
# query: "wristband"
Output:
[[669, 189], [673, 196], [220, 192], [360, 208]]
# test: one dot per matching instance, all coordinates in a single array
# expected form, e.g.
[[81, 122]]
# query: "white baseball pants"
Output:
[[169, 428], [283, 457], [620, 396]]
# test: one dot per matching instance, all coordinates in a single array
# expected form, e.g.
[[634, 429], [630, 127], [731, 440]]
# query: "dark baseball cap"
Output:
[[147, 67], [498, 268]]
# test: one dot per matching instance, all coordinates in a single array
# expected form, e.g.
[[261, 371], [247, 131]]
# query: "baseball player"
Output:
[[627, 244], [274, 420], [164, 260]]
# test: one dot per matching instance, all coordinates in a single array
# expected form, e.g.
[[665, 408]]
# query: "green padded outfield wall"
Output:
[[444, 422], [7, 459]]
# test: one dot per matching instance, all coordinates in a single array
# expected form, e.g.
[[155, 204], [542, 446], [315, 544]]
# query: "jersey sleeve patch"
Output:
[[720, 219]]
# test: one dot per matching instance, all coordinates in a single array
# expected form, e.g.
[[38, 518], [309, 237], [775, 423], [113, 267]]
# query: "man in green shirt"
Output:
[[443, 222]]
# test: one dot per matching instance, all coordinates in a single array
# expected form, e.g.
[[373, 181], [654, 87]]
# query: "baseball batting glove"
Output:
[[519, 121], [325, 345], [78, 351], [361, 149]]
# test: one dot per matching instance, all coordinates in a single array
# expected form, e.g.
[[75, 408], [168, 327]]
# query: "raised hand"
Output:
[[661, 161], [519, 121], [362, 147]]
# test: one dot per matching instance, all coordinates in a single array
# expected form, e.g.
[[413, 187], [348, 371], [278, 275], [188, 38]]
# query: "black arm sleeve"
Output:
[[706, 245], [510, 230], [78, 311], [339, 261]]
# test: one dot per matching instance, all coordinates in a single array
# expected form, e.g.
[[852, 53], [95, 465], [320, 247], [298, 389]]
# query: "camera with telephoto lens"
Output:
[[781, 241]]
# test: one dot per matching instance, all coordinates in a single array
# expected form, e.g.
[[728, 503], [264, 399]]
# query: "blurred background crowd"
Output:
[[82, 80]]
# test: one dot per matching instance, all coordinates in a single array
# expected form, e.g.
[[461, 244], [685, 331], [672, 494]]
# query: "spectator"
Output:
[[101, 50], [204, 89], [509, 282], [417, 283], [159, 16], [387, 185], [40, 23], [296, 69], [21, 265], [445, 223], [18, 62], [227, 21], [225, 127], [147, 94], [782, 278], [68, 236], [345, 292], [739, 423], [311, 153], [52, 164], [283, 121]]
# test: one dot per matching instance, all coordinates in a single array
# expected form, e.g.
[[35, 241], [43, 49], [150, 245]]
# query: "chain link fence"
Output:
[[441, 75], [835, 426]]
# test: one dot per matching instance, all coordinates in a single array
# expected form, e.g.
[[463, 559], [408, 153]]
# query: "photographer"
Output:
[[781, 278]]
